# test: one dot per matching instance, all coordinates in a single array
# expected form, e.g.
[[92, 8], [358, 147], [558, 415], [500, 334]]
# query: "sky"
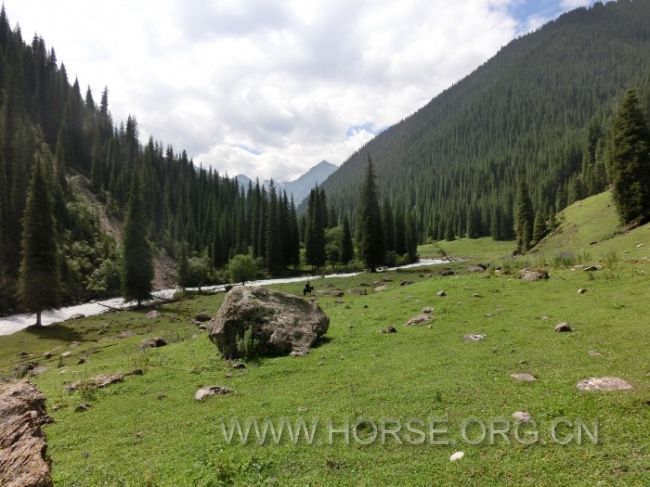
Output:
[[269, 88]]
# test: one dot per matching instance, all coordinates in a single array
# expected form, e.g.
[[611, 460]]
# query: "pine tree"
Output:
[[411, 238], [525, 218], [183, 267], [372, 234], [539, 227], [39, 285], [315, 231], [389, 227], [272, 232], [137, 257], [629, 160], [347, 248]]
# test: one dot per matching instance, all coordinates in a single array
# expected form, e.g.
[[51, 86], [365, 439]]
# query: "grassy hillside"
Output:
[[148, 430], [592, 226]]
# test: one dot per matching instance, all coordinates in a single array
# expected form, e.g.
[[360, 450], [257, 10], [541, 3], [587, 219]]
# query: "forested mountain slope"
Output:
[[538, 109]]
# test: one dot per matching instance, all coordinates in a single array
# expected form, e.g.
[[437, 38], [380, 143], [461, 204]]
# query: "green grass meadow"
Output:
[[149, 430]]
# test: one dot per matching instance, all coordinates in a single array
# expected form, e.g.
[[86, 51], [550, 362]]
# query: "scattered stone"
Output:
[[640, 245], [441, 293], [155, 342], [582, 290], [594, 242], [523, 377], [365, 306], [126, 334], [476, 295], [279, 323], [205, 392], [446, 272], [389, 329], [419, 319], [77, 316], [98, 382], [544, 318], [428, 310], [381, 288], [522, 417], [239, 365], [201, 317], [299, 353], [66, 354], [406, 283], [473, 337], [81, 361], [38, 370], [594, 353], [84, 406], [563, 328], [22, 370], [47, 355], [74, 344], [603, 384], [152, 314], [456, 456], [23, 448], [476, 268], [593, 268], [532, 275]]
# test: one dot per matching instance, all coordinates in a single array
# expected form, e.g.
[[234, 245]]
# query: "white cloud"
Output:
[[285, 80]]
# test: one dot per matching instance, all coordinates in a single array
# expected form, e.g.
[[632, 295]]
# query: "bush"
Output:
[[242, 268]]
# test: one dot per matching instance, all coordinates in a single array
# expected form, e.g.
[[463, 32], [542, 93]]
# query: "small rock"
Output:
[[476, 295], [603, 384], [544, 318], [523, 377], [640, 245], [532, 275], [38, 370], [456, 456], [446, 272], [441, 293], [66, 354], [473, 337], [152, 314], [389, 329], [593, 268], [156, 342], [582, 290], [84, 406], [381, 288], [205, 392], [201, 317], [239, 365], [418, 320], [594, 353], [593, 242], [563, 328], [476, 268], [406, 283], [47, 355], [81, 361], [126, 334], [74, 344], [522, 417], [428, 310]]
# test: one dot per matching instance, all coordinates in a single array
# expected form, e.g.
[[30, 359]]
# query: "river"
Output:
[[14, 323]]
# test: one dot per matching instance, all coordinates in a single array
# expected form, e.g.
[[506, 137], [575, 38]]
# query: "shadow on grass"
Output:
[[55, 332]]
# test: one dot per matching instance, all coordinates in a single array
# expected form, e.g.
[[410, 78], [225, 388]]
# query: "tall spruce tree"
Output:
[[315, 231], [539, 227], [389, 227], [137, 256], [347, 247], [372, 234], [629, 160], [39, 285], [525, 218]]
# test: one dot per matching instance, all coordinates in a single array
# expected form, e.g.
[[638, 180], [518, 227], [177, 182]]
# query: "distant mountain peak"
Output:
[[298, 188]]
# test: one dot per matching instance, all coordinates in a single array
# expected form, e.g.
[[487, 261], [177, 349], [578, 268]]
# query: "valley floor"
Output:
[[149, 430]]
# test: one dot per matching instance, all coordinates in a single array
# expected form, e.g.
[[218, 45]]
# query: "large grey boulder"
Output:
[[23, 460], [258, 321]]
